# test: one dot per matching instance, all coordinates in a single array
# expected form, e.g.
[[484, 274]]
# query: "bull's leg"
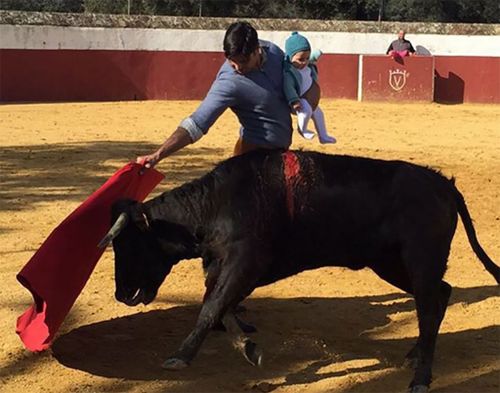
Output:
[[240, 341], [233, 282], [427, 263], [245, 327], [239, 309], [428, 312], [211, 266], [411, 359], [214, 307], [395, 273]]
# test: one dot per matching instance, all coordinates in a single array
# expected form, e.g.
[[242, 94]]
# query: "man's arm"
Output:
[[411, 49], [221, 96], [290, 86], [179, 139], [389, 49]]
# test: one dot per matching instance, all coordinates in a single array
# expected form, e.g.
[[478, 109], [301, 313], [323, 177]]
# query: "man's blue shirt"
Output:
[[256, 98]]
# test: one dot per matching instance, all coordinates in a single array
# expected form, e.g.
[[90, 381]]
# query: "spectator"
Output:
[[400, 47]]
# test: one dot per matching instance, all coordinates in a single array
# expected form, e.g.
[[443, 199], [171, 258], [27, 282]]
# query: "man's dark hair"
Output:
[[240, 39]]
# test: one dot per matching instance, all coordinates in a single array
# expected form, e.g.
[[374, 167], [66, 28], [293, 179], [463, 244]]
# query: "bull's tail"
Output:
[[489, 265]]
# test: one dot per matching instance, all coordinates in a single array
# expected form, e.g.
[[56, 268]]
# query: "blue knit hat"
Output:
[[296, 43]]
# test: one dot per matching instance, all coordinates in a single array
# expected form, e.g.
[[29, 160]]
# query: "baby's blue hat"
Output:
[[296, 43]]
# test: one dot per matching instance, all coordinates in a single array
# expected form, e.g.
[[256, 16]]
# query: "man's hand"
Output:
[[296, 106], [174, 142], [148, 161]]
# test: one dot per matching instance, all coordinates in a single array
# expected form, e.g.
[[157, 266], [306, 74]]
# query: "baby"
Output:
[[300, 72]]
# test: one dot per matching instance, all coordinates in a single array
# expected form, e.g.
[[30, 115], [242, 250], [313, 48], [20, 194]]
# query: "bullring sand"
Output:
[[328, 330]]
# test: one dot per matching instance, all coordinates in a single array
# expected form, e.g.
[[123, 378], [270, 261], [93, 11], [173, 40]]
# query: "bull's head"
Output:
[[142, 257]]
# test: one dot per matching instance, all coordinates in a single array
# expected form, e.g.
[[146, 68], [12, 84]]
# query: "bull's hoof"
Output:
[[253, 354], [418, 389], [174, 364], [410, 363]]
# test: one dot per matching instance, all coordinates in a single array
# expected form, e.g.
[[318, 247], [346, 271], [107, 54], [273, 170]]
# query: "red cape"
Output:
[[58, 271]]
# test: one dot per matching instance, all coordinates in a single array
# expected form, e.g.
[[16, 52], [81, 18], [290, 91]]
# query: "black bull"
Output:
[[261, 217]]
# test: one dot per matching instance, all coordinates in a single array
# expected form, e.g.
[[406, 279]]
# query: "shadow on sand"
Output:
[[305, 340], [72, 171]]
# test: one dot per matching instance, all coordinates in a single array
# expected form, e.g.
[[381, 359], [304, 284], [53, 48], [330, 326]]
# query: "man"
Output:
[[400, 47], [250, 82]]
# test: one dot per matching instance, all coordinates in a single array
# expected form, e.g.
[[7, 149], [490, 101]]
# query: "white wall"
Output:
[[60, 37]]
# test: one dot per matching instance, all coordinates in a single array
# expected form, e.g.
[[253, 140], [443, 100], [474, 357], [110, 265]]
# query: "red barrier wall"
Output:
[[401, 79], [101, 75], [338, 76], [467, 79], [106, 75]]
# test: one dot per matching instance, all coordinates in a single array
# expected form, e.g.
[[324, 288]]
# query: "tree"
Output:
[[463, 11], [43, 5], [106, 6], [481, 11], [468, 11], [414, 10]]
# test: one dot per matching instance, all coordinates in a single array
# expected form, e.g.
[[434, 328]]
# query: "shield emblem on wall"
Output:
[[397, 79]]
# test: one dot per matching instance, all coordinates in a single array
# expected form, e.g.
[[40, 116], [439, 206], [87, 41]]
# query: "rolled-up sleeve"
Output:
[[192, 128], [222, 95]]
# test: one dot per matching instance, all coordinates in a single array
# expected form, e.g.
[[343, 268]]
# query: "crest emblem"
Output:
[[397, 79]]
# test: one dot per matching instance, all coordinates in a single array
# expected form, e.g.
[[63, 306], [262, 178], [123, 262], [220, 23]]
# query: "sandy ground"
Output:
[[329, 330]]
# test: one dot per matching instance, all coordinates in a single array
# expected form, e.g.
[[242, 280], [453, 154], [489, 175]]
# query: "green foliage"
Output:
[[462, 11], [414, 10], [106, 6], [466, 11], [482, 11], [43, 5], [273, 9], [176, 7]]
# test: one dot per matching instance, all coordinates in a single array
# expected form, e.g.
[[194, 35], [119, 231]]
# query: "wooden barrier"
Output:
[[338, 76], [105, 75], [383, 78], [41, 75], [467, 79]]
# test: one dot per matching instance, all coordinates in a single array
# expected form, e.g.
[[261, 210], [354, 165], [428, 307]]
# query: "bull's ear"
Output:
[[134, 211], [122, 206], [120, 216]]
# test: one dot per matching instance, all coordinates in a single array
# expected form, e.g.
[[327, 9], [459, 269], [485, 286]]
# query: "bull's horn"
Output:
[[115, 230]]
